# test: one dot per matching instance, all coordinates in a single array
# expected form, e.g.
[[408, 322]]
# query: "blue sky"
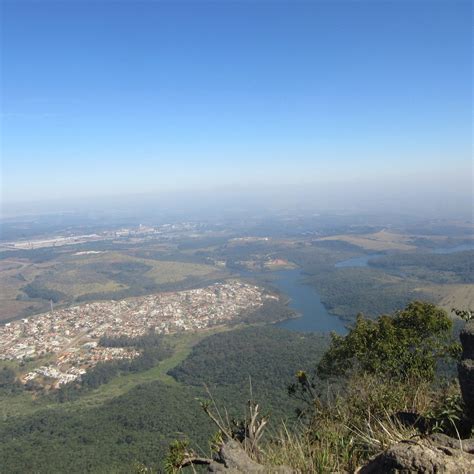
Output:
[[103, 97]]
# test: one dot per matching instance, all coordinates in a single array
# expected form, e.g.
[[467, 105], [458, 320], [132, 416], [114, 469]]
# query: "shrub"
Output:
[[405, 346]]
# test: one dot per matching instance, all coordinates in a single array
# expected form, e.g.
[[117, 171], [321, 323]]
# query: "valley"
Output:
[[205, 310]]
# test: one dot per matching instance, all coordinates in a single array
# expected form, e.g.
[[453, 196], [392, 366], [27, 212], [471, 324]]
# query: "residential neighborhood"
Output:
[[71, 335]]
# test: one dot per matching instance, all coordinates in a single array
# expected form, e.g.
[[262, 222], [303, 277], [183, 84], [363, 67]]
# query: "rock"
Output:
[[433, 454], [436, 453], [466, 369], [466, 381], [233, 459], [467, 340], [444, 440]]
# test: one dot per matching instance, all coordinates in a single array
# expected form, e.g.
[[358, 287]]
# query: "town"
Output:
[[163, 232], [69, 338]]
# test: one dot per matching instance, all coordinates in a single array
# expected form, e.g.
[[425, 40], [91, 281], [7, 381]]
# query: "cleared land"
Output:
[[14, 275], [451, 296], [27, 287], [25, 403], [377, 241], [109, 271]]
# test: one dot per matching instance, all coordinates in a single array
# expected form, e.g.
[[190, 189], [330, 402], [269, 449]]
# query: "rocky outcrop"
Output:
[[466, 369], [232, 459], [436, 453], [433, 454]]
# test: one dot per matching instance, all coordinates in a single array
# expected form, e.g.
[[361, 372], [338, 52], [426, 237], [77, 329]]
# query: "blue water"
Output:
[[306, 302]]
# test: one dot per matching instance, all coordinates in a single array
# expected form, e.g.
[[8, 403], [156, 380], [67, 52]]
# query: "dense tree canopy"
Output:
[[406, 345]]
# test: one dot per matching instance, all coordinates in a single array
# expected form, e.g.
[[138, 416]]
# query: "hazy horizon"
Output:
[[355, 199], [345, 105]]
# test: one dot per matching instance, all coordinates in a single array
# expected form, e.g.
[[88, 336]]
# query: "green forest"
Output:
[[136, 427], [375, 367]]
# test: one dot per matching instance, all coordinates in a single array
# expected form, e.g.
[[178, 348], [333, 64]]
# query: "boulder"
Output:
[[232, 459], [433, 454], [466, 369], [466, 381], [467, 340]]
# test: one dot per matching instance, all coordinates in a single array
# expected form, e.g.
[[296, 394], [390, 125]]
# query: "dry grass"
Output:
[[450, 296], [14, 274], [377, 241], [78, 275], [347, 429], [160, 271]]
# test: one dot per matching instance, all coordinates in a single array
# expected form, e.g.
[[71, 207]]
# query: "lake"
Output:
[[306, 302]]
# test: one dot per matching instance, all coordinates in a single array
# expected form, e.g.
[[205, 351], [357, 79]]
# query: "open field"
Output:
[[451, 296], [27, 286], [378, 241], [75, 274], [25, 403], [15, 274], [182, 345]]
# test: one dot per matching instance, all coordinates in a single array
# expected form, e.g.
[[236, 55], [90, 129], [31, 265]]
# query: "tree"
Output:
[[404, 346]]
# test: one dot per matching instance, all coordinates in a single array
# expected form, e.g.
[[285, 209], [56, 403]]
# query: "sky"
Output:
[[354, 98]]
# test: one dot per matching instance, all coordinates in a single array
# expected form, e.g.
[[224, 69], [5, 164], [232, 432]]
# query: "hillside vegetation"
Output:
[[131, 419], [338, 398], [384, 386], [252, 362]]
